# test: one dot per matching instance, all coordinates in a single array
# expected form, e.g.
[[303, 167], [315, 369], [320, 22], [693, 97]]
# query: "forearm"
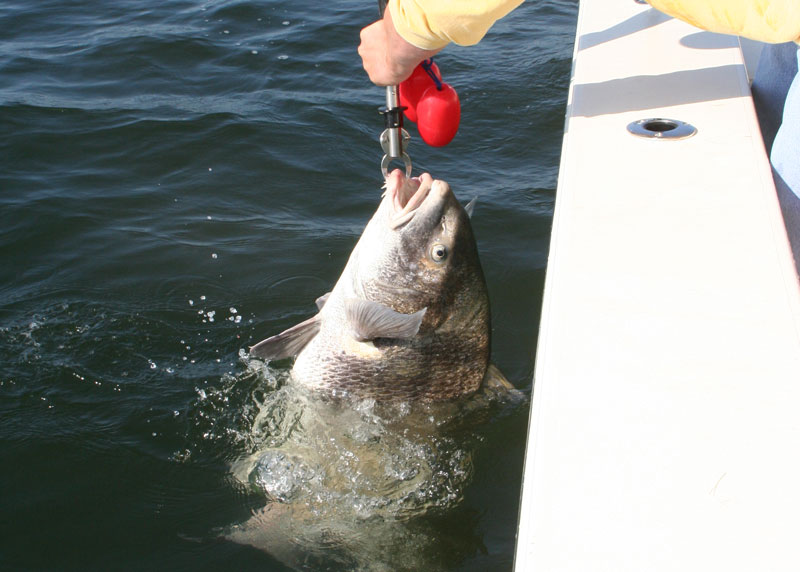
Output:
[[774, 21], [413, 30], [387, 58]]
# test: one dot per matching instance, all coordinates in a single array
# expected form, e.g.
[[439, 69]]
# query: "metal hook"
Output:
[[390, 153], [387, 160]]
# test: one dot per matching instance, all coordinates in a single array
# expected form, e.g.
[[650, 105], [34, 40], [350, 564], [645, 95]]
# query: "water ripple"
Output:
[[179, 179]]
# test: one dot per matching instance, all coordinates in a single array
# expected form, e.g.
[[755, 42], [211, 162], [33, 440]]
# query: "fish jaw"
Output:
[[405, 195]]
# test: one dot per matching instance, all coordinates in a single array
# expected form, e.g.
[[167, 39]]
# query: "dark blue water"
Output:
[[179, 180]]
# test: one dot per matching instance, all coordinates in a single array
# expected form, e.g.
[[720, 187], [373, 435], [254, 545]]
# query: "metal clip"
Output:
[[394, 139], [400, 153]]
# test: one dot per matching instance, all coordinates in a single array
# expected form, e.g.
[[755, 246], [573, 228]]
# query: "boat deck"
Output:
[[665, 422]]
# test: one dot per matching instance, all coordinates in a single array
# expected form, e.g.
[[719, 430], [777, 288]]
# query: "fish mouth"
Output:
[[405, 196]]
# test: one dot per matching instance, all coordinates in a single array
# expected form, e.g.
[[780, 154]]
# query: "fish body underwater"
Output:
[[409, 316], [370, 479]]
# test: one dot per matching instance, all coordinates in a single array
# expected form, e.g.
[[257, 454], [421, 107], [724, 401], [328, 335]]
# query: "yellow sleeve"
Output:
[[432, 24], [772, 21]]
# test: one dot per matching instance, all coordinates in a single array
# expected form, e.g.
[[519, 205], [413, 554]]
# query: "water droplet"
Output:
[[283, 57], [214, 255], [254, 52]]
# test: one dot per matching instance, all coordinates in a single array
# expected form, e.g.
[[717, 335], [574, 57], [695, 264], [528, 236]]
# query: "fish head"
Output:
[[423, 254]]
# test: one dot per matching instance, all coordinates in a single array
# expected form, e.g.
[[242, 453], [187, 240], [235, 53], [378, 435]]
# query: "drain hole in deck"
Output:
[[659, 125]]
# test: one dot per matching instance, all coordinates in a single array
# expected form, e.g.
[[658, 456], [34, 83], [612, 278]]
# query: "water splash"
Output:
[[340, 478]]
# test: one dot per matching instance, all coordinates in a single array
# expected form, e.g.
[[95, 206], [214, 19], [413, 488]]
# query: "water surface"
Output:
[[179, 180]]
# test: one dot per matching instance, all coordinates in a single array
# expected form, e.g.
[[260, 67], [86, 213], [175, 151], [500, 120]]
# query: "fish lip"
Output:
[[405, 196]]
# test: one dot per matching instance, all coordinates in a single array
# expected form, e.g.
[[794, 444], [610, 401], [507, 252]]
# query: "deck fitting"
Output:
[[660, 128]]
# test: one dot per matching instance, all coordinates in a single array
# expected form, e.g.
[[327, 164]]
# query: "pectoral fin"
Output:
[[370, 320], [289, 342], [494, 381]]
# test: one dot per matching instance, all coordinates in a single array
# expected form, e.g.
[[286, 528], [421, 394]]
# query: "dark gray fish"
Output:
[[409, 316]]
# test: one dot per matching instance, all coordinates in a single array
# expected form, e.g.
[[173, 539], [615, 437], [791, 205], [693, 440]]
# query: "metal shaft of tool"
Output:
[[392, 102], [395, 139]]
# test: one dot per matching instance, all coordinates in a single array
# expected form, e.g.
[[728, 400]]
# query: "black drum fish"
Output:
[[409, 316]]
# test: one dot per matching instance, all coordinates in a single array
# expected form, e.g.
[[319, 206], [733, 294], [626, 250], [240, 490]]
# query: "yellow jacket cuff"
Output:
[[432, 24]]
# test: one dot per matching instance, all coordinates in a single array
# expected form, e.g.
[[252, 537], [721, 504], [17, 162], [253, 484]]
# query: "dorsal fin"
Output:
[[471, 207], [320, 302]]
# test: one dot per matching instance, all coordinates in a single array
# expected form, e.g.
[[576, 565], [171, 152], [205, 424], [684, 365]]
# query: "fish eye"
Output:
[[438, 252]]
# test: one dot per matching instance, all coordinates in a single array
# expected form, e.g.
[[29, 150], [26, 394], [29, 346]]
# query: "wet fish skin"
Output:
[[409, 316]]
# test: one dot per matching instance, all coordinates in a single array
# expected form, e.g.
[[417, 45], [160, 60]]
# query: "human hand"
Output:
[[387, 58]]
